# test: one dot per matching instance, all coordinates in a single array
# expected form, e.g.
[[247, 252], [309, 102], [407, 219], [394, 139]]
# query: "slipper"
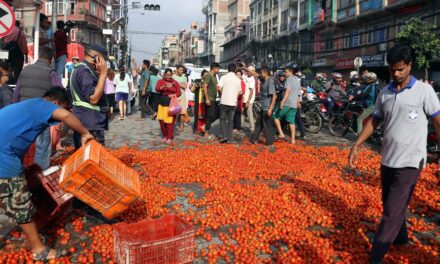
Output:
[[121, 118], [210, 137], [42, 256]]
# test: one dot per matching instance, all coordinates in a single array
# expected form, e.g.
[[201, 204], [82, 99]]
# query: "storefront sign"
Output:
[[319, 62], [373, 60], [410, 9], [318, 15], [344, 63]]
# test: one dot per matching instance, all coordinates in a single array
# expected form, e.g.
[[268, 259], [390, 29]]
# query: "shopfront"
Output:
[[377, 64], [325, 65]]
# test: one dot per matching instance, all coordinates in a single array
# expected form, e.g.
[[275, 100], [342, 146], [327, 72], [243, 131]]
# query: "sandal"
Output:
[[42, 256], [140, 119], [121, 118]]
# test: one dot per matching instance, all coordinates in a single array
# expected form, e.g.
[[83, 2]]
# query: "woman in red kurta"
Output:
[[167, 88]]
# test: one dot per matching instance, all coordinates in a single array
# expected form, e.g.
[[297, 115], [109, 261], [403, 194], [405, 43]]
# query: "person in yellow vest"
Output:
[[87, 85]]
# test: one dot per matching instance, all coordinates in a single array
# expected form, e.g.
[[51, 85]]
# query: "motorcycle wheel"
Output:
[[337, 126], [312, 122]]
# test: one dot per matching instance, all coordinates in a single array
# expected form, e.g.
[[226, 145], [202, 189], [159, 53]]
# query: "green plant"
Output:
[[421, 37]]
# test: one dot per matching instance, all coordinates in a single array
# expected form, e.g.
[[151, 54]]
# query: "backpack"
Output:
[[13, 48]]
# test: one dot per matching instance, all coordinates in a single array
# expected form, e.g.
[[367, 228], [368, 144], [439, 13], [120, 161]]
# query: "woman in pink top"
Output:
[[109, 90]]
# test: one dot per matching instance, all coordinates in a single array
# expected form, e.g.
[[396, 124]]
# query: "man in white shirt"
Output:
[[249, 97], [230, 88]]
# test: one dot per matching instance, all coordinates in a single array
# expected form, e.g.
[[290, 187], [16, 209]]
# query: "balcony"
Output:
[[346, 14], [394, 4], [370, 5], [321, 18]]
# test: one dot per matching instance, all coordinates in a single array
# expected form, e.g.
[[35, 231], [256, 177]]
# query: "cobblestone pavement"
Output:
[[146, 134]]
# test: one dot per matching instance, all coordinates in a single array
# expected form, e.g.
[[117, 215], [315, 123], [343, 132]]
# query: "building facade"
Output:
[[191, 44], [89, 15], [237, 41], [346, 29], [280, 32], [168, 54], [217, 19]]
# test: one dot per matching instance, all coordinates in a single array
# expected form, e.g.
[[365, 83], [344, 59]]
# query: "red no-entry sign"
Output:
[[7, 19]]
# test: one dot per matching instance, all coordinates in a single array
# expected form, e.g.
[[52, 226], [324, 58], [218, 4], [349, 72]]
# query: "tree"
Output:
[[421, 37]]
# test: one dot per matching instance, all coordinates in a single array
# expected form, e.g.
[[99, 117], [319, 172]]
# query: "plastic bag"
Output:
[[175, 107]]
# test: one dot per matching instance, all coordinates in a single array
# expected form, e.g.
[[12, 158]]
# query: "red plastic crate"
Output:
[[47, 197], [99, 179], [168, 239], [28, 158]]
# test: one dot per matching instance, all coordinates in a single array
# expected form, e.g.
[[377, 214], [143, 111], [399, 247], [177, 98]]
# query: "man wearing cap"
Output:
[[87, 88]]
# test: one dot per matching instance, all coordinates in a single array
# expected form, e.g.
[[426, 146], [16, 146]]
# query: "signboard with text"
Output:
[[373, 60], [319, 62], [344, 63]]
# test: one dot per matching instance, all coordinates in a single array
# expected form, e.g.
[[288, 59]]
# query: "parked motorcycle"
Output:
[[344, 119], [432, 145], [311, 115]]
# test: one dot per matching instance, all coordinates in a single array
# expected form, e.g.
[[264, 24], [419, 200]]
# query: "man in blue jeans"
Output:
[[61, 41]]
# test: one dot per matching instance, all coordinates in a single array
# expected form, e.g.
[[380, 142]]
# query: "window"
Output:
[[284, 20], [72, 7], [345, 3], [377, 34], [48, 9], [93, 8], [259, 31], [347, 41], [18, 15], [252, 13], [259, 8], [304, 12], [60, 8], [275, 3], [266, 6], [328, 42], [269, 26], [356, 39], [264, 29], [275, 26]]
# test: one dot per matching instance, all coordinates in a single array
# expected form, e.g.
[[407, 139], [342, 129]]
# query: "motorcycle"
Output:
[[311, 115], [432, 145], [344, 119]]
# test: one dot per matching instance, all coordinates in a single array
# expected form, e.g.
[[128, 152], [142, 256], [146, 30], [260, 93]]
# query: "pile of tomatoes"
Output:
[[299, 204]]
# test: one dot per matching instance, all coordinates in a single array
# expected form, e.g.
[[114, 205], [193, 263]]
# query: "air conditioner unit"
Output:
[[382, 46]]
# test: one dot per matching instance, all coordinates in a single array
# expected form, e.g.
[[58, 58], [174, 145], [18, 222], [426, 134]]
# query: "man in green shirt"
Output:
[[210, 92], [154, 96], [318, 83], [143, 84]]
